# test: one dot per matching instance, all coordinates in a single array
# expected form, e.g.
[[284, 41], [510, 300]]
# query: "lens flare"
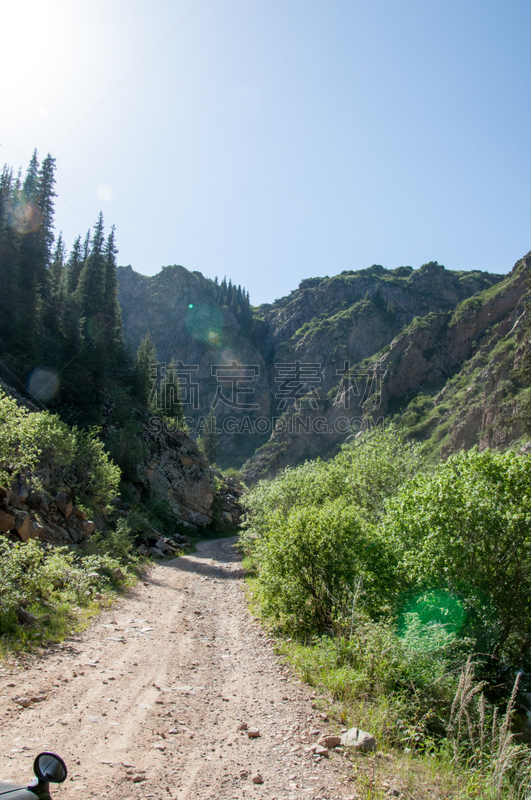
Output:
[[25, 218], [43, 384], [205, 323], [97, 325], [104, 193], [431, 620]]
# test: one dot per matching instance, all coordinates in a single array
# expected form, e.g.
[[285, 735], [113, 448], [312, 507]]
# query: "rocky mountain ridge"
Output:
[[335, 355]]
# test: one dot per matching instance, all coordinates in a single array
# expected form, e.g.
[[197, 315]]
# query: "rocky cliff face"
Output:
[[186, 325], [340, 353], [448, 380], [353, 315], [176, 472], [451, 379]]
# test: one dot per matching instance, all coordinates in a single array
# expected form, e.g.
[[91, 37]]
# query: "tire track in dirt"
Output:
[[162, 682]]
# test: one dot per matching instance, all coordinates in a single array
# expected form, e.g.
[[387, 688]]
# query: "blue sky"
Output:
[[274, 140]]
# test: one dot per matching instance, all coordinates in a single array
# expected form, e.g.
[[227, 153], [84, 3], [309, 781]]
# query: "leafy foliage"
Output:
[[364, 473], [29, 440], [29, 574], [467, 528], [311, 561], [312, 531], [399, 584]]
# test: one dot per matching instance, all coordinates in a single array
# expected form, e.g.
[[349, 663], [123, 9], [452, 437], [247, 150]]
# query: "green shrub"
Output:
[[467, 529], [98, 477], [26, 439], [314, 560], [20, 574], [364, 474], [234, 474], [31, 576], [31, 440], [401, 694], [118, 543], [402, 584]]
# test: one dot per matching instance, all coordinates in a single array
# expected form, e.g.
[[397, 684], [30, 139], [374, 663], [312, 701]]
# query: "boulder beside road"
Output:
[[359, 740]]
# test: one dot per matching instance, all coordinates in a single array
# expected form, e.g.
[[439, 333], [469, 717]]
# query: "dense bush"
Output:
[[33, 577], [466, 528], [314, 560], [399, 586], [29, 441], [364, 473], [312, 532], [452, 547]]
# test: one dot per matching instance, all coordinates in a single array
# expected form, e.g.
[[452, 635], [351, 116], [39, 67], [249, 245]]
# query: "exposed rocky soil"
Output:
[[153, 700]]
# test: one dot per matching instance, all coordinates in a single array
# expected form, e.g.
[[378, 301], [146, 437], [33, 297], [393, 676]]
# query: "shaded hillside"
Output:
[[292, 360], [187, 324]]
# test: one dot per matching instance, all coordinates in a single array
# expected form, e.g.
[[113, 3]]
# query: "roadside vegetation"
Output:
[[405, 592], [47, 591]]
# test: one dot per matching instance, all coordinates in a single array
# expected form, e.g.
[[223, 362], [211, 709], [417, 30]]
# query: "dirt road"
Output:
[[148, 702]]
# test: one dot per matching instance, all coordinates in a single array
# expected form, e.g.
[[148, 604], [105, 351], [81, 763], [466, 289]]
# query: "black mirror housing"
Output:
[[50, 768]]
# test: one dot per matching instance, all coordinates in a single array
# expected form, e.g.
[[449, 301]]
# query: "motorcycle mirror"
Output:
[[48, 767]]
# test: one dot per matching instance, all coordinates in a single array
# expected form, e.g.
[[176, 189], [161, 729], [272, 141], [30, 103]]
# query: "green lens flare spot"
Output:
[[431, 620], [205, 323]]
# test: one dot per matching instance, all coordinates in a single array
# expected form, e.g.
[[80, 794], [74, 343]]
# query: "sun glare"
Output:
[[33, 38], [52, 62]]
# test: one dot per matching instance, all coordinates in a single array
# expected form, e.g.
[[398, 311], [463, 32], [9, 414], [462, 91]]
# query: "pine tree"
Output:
[[91, 284], [33, 217], [111, 307], [74, 266], [86, 246], [9, 254], [89, 298], [17, 187], [55, 309], [45, 202], [29, 187], [72, 318], [169, 396], [208, 441], [145, 371]]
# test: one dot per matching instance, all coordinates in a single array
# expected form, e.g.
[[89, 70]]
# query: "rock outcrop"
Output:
[[39, 515], [187, 326], [175, 471]]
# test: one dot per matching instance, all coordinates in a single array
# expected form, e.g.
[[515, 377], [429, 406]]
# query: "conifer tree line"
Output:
[[157, 385], [58, 310], [237, 299]]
